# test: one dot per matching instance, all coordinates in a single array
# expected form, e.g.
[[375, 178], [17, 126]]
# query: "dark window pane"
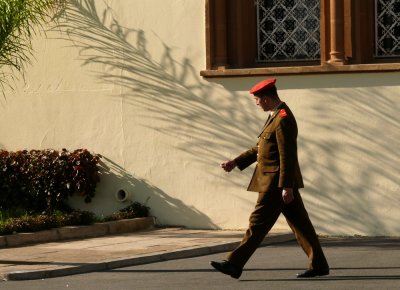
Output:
[[288, 30]]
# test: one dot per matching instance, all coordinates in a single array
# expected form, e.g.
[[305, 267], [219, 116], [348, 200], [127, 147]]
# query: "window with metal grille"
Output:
[[387, 32], [288, 30], [258, 37]]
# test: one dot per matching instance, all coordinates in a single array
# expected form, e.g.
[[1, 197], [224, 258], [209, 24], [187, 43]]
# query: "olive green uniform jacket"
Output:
[[275, 154]]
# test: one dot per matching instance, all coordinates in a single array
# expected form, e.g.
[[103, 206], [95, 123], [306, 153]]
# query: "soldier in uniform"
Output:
[[277, 179]]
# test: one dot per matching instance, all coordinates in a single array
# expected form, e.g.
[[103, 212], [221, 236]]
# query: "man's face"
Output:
[[264, 102]]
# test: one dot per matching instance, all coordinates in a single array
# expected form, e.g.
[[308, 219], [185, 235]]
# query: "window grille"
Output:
[[387, 32], [288, 30]]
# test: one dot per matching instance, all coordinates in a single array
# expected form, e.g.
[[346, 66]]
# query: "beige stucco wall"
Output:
[[124, 82]]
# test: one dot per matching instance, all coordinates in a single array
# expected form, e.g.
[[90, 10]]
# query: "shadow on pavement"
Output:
[[330, 278], [377, 242]]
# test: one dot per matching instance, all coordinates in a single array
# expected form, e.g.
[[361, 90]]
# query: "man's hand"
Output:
[[287, 195], [228, 166]]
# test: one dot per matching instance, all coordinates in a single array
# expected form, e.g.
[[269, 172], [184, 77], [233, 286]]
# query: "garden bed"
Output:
[[77, 232]]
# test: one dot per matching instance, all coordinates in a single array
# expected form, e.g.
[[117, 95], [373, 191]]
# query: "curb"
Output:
[[140, 260], [77, 232]]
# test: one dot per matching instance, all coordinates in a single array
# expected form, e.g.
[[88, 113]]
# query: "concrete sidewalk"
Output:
[[62, 258]]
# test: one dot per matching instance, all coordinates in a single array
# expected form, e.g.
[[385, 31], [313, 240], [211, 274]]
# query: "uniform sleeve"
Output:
[[246, 158], [286, 135]]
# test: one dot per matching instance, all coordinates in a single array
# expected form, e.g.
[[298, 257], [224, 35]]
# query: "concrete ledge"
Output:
[[298, 70], [31, 238], [3, 242], [83, 232], [77, 232], [124, 226]]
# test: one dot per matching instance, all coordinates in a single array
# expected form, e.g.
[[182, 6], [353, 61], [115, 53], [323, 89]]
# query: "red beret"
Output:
[[263, 85]]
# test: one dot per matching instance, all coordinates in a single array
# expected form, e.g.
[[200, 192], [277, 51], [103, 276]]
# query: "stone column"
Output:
[[221, 55], [337, 33]]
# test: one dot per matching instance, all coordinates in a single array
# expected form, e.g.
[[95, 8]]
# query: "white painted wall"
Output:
[[124, 82]]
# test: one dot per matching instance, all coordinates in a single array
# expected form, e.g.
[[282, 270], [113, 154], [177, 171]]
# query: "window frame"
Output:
[[231, 41]]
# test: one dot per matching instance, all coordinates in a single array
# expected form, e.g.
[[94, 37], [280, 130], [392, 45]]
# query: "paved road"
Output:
[[356, 263]]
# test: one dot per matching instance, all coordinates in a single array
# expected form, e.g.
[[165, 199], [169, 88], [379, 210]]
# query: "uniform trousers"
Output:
[[267, 210]]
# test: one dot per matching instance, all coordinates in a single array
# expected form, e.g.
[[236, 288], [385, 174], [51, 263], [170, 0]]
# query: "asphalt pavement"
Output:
[[357, 263]]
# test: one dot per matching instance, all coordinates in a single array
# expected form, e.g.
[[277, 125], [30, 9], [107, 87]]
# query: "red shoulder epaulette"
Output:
[[282, 113]]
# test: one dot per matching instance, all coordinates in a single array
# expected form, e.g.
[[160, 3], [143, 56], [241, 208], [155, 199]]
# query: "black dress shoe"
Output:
[[313, 273], [227, 268]]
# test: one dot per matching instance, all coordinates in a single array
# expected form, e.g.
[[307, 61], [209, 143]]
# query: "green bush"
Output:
[[36, 223], [76, 218], [135, 210], [41, 180], [32, 223]]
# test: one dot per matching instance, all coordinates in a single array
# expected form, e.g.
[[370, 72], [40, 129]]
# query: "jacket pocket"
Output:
[[271, 169]]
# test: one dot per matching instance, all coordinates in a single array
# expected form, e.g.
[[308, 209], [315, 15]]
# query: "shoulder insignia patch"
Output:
[[282, 113]]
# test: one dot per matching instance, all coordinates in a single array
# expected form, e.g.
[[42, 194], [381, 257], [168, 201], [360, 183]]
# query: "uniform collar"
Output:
[[274, 110]]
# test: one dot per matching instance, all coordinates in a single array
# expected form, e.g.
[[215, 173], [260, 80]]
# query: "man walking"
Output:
[[276, 178]]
